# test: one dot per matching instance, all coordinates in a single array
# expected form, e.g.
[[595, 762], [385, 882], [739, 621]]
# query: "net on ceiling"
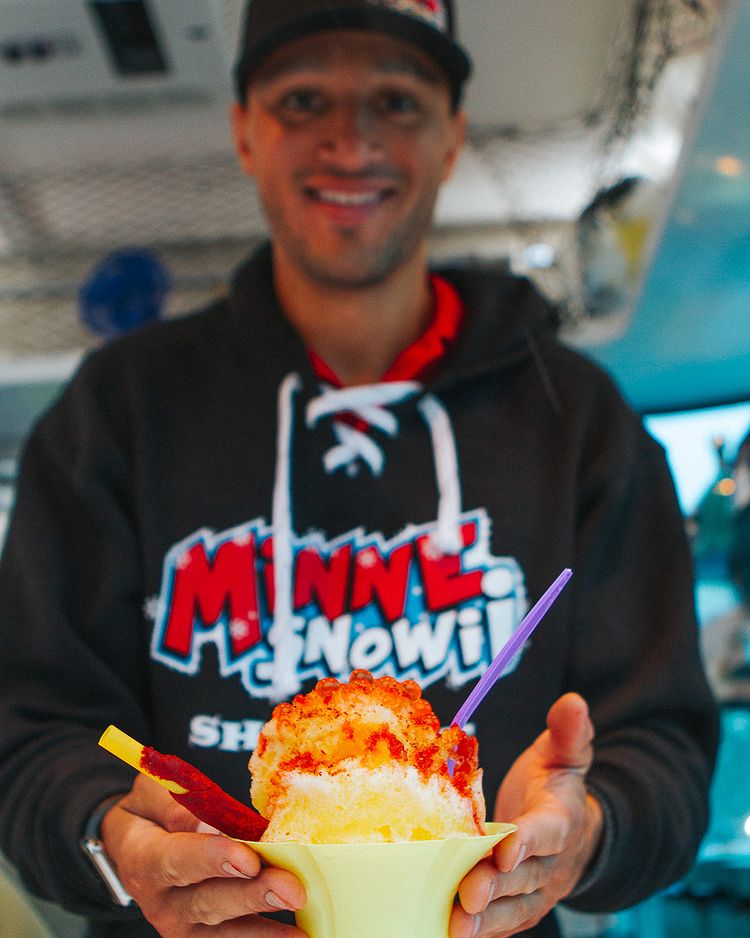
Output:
[[199, 213]]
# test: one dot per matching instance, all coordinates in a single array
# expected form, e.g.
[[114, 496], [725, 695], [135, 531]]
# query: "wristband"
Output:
[[92, 845]]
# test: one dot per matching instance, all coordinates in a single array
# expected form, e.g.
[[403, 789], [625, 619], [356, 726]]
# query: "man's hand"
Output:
[[189, 883], [559, 827]]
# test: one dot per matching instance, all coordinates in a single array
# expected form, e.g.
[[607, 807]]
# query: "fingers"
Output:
[[214, 902], [558, 825], [503, 917], [479, 888], [530, 871], [485, 883], [189, 880], [207, 878], [188, 859], [185, 880], [251, 927], [543, 831], [496, 903], [150, 801]]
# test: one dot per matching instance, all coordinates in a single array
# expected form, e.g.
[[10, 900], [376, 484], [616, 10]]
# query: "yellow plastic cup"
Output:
[[380, 890]]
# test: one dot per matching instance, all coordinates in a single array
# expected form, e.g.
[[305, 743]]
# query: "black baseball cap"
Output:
[[430, 24]]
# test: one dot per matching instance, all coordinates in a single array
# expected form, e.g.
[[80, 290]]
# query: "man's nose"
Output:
[[352, 135]]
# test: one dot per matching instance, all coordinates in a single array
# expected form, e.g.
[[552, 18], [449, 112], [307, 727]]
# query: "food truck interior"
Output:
[[608, 159]]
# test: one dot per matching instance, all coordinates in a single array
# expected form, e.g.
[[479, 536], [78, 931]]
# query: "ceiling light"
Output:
[[729, 166], [540, 256]]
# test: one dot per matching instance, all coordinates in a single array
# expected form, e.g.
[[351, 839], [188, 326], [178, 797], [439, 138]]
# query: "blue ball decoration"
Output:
[[126, 289]]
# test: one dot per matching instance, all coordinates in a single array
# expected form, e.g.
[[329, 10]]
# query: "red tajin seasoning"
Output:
[[204, 798]]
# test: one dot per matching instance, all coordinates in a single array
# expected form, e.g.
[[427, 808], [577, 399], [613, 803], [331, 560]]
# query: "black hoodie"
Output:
[[137, 587]]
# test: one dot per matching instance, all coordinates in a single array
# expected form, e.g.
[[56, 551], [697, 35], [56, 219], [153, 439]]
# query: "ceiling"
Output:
[[154, 157], [688, 341], [540, 70]]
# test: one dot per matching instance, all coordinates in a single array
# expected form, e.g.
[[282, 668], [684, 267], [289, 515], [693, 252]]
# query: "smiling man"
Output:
[[352, 462], [349, 138], [349, 143]]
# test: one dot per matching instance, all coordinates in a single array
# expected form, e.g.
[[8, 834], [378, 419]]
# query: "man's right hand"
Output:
[[189, 883]]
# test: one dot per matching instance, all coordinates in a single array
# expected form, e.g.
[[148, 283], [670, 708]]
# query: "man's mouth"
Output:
[[338, 196], [346, 199]]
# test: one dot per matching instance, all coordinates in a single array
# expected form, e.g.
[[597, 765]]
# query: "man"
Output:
[[350, 463]]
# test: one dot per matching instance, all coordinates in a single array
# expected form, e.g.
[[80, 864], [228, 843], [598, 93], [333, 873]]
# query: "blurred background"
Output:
[[608, 160]]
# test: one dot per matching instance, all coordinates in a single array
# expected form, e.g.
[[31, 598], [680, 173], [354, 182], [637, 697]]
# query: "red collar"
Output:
[[423, 357]]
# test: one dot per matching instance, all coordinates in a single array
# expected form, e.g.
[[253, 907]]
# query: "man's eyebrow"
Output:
[[397, 65], [408, 66], [283, 67]]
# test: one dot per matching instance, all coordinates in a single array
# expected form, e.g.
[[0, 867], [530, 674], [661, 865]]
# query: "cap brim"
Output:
[[445, 51]]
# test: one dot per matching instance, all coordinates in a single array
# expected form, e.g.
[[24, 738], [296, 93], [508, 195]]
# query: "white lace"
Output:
[[447, 538], [367, 402], [353, 447], [282, 635]]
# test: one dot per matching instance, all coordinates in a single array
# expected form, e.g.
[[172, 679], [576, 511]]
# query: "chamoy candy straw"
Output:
[[189, 787], [506, 654]]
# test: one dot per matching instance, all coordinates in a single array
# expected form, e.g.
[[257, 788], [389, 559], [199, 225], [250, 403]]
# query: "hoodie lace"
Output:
[[353, 448]]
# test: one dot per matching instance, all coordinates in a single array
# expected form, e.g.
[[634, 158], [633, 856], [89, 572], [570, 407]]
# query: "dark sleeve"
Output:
[[70, 623], [635, 658]]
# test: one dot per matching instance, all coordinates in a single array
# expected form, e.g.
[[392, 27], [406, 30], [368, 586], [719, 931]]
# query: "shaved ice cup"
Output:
[[384, 890]]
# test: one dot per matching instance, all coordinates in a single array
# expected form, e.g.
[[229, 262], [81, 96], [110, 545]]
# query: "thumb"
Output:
[[571, 733]]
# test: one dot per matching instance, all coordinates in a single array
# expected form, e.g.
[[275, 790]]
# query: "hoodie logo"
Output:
[[359, 601]]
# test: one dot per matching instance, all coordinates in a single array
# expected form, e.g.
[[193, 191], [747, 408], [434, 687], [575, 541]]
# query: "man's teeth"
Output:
[[349, 198]]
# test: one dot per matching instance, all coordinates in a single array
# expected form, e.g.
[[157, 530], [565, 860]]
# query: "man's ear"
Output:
[[456, 144], [241, 136]]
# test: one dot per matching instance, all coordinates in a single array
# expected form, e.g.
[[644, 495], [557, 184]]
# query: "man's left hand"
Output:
[[559, 827]]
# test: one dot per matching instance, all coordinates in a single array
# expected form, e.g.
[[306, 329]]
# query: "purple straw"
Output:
[[501, 660]]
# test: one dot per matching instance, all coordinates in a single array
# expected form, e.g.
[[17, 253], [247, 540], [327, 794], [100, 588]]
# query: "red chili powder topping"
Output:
[[301, 762], [336, 722], [396, 748], [425, 760]]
